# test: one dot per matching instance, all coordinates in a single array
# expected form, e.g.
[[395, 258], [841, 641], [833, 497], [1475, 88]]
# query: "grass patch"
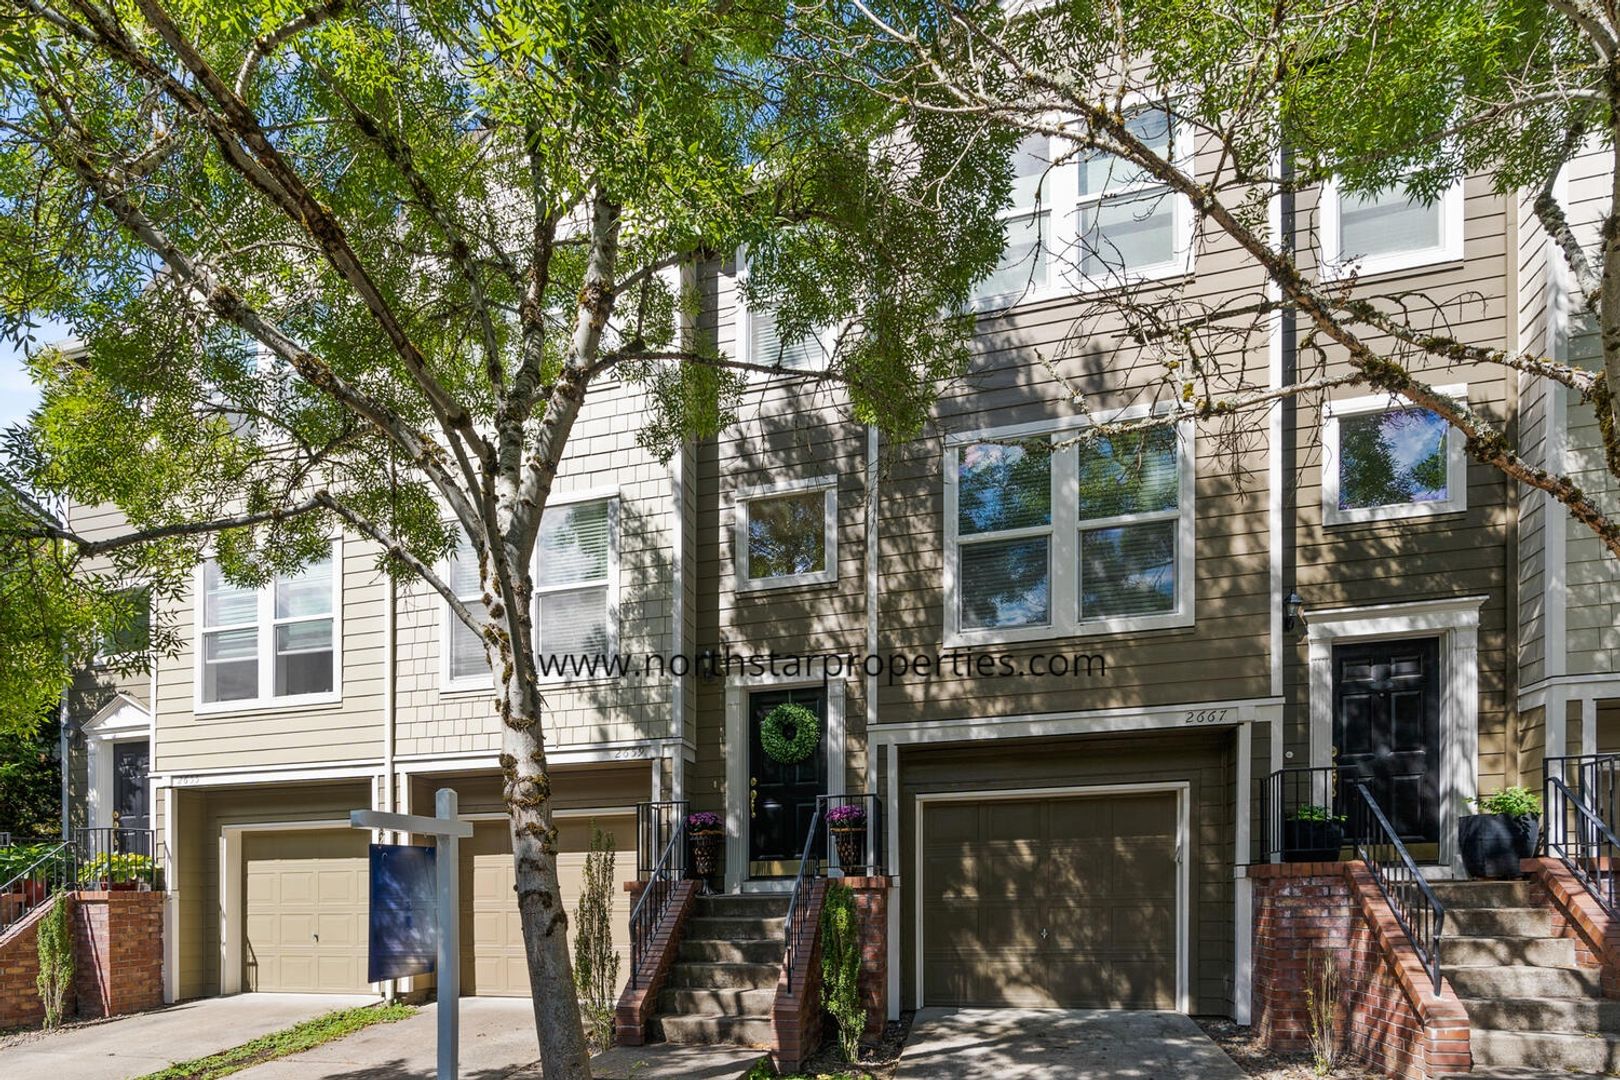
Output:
[[280, 1044]]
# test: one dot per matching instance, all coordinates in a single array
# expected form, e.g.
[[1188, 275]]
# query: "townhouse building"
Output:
[[1094, 660]]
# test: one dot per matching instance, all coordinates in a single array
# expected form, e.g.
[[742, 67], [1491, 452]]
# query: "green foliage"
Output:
[[841, 968], [789, 733], [278, 1044], [596, 962], [1312, 812], [54, 939], [1514, 802], [30, 779], [18, 858], [119, 866]]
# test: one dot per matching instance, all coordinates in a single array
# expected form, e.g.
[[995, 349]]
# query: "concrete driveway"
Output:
[[1060, 1044], [143, 1043]]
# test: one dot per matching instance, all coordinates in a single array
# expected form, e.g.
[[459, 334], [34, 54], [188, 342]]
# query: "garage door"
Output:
[[495, 965], [305, 920], [1054, 902]]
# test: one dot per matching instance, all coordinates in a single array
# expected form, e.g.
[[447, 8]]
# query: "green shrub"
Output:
[[841, 968], [1513, 802], [1312, 812], [596, 962], [19, 857], [54, 939], [118, 866]]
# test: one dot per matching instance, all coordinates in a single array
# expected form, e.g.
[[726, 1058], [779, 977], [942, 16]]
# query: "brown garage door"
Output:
[[1058, 902], [494, 963], [305, 902]]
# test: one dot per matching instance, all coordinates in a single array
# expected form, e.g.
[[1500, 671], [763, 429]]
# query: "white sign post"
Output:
[[448, 831]]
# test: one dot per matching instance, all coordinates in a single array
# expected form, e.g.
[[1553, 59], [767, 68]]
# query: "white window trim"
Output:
[[1334, 267], [611, 496], [1456, 462], [1063, 589], [447, 622], [1056, 183], [745, 495], [1180, 263], [264, 623], [827, 337]]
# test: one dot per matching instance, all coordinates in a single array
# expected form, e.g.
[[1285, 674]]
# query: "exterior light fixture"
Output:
[[1293, 605]]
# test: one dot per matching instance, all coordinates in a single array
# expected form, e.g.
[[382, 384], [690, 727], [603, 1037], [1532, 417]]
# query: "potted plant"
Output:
[[848, 825], [707, 831], [1312, 833], [1503, 833], [16, 860], [119, 871]]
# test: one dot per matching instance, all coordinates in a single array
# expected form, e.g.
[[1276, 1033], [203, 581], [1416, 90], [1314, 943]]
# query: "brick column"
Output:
[[118, 951], [19, 971], [872, 909]]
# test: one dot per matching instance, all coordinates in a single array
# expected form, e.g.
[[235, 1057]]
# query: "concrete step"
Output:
[[1499, 922], [760, 951], [743, 905], [1519, 1074], [1546, 1050], [1572, 1015], [1461, 952], [732, 929], [718, 1002], [710, 1030], [1524, 982], [725, 976], [1461, 895]]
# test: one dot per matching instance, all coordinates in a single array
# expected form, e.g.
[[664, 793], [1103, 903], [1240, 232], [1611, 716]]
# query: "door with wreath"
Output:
[[787, 769]]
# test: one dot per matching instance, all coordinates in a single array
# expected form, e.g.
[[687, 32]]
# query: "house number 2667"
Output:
[[1206, 716]]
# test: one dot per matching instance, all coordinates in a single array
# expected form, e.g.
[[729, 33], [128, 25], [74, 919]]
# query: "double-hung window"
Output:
[[1051, 534], [1025, 265], [466, 667], [762, 343], [1384, 458], [1130, 225], [1388, 230], [575, 606], [129, 631], [787, 534], [271, 645]]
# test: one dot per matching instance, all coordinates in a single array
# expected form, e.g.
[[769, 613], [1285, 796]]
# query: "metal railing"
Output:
[[117, 858], [798, 924], [654, 901], [1413, 902], [855, 834], [1578, 836], [1302, 814], [656, 822], [49, 872]]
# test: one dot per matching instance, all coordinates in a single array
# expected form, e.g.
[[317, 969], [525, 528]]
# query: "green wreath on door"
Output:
[[789, 733]]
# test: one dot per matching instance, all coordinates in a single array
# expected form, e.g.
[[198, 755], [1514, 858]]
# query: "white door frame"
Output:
[[1455, 622], [121, 720], [737, 690], [1183, 856]]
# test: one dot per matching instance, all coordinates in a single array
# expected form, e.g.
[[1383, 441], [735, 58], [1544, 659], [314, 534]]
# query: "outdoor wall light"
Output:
[[1293, 604]]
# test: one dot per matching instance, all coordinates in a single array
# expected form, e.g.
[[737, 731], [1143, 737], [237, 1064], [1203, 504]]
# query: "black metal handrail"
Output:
[[1415, 906], [797, 922], [654, 901], [855, 834], [655, 823], [1302, 808], [118, 858], [52, 871], [1589, 849]]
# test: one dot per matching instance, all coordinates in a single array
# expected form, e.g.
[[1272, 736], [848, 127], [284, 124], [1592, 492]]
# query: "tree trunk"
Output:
[[527, 792]]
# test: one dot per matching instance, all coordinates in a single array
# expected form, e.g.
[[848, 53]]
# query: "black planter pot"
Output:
[[1312, 841], [1493, 844]]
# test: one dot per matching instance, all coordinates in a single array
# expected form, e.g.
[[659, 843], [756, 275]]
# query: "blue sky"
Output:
[[17, 394]]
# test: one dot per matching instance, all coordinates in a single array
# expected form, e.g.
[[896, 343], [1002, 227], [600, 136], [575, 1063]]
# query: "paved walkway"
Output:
[[1056, 1044], [143, 1043]]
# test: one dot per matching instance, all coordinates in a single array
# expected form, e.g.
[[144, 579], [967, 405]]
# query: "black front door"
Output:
[[131, 761], [782, 798], [1386, 727]]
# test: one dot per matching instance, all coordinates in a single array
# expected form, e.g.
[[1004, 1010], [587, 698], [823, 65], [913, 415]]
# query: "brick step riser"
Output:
[[1524, 982], [1499, 922], [1575, 1017], [701, 976], [753, 1003], [1459, 952], [732, 952], [1541, 1050], [713, 1030]]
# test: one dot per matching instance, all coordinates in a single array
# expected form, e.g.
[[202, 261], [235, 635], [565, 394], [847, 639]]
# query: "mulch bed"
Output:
[[1256, 1060]]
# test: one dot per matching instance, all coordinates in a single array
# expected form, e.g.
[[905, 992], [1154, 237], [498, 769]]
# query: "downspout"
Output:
[[390, 647], [1288, 450]]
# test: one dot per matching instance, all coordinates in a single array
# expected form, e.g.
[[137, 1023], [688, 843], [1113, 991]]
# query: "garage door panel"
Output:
[[304, 918], [1096, 873]]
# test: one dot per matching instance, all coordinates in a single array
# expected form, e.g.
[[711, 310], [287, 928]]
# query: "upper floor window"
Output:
[[1027, 224], [129, 633], [787, 534], [1388, 230], [576, 610], [1386, 458], [761, 342], [465, 664], [1131, 225], [269, 645], [1050, 540]]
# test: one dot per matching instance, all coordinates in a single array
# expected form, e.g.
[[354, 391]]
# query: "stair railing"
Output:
[[655, 821], [1578, 837], [797, 925], [655, 898], [54, 870], [1415, 906]]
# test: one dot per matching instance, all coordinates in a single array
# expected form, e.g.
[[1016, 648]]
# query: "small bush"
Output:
[[54, 939], [1513, 802], [841, 968], [596, 962], [1321, 998]]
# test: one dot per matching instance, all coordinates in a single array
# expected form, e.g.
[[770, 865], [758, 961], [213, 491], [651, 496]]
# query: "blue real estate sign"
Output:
[[404, 912]]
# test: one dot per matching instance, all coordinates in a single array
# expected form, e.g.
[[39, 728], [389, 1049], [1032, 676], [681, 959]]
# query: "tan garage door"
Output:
[[1057, 902], [494, 963], [305, 920]]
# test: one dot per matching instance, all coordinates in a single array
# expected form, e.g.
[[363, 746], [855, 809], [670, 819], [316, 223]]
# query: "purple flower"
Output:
[[848, 816], [704, 821]]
